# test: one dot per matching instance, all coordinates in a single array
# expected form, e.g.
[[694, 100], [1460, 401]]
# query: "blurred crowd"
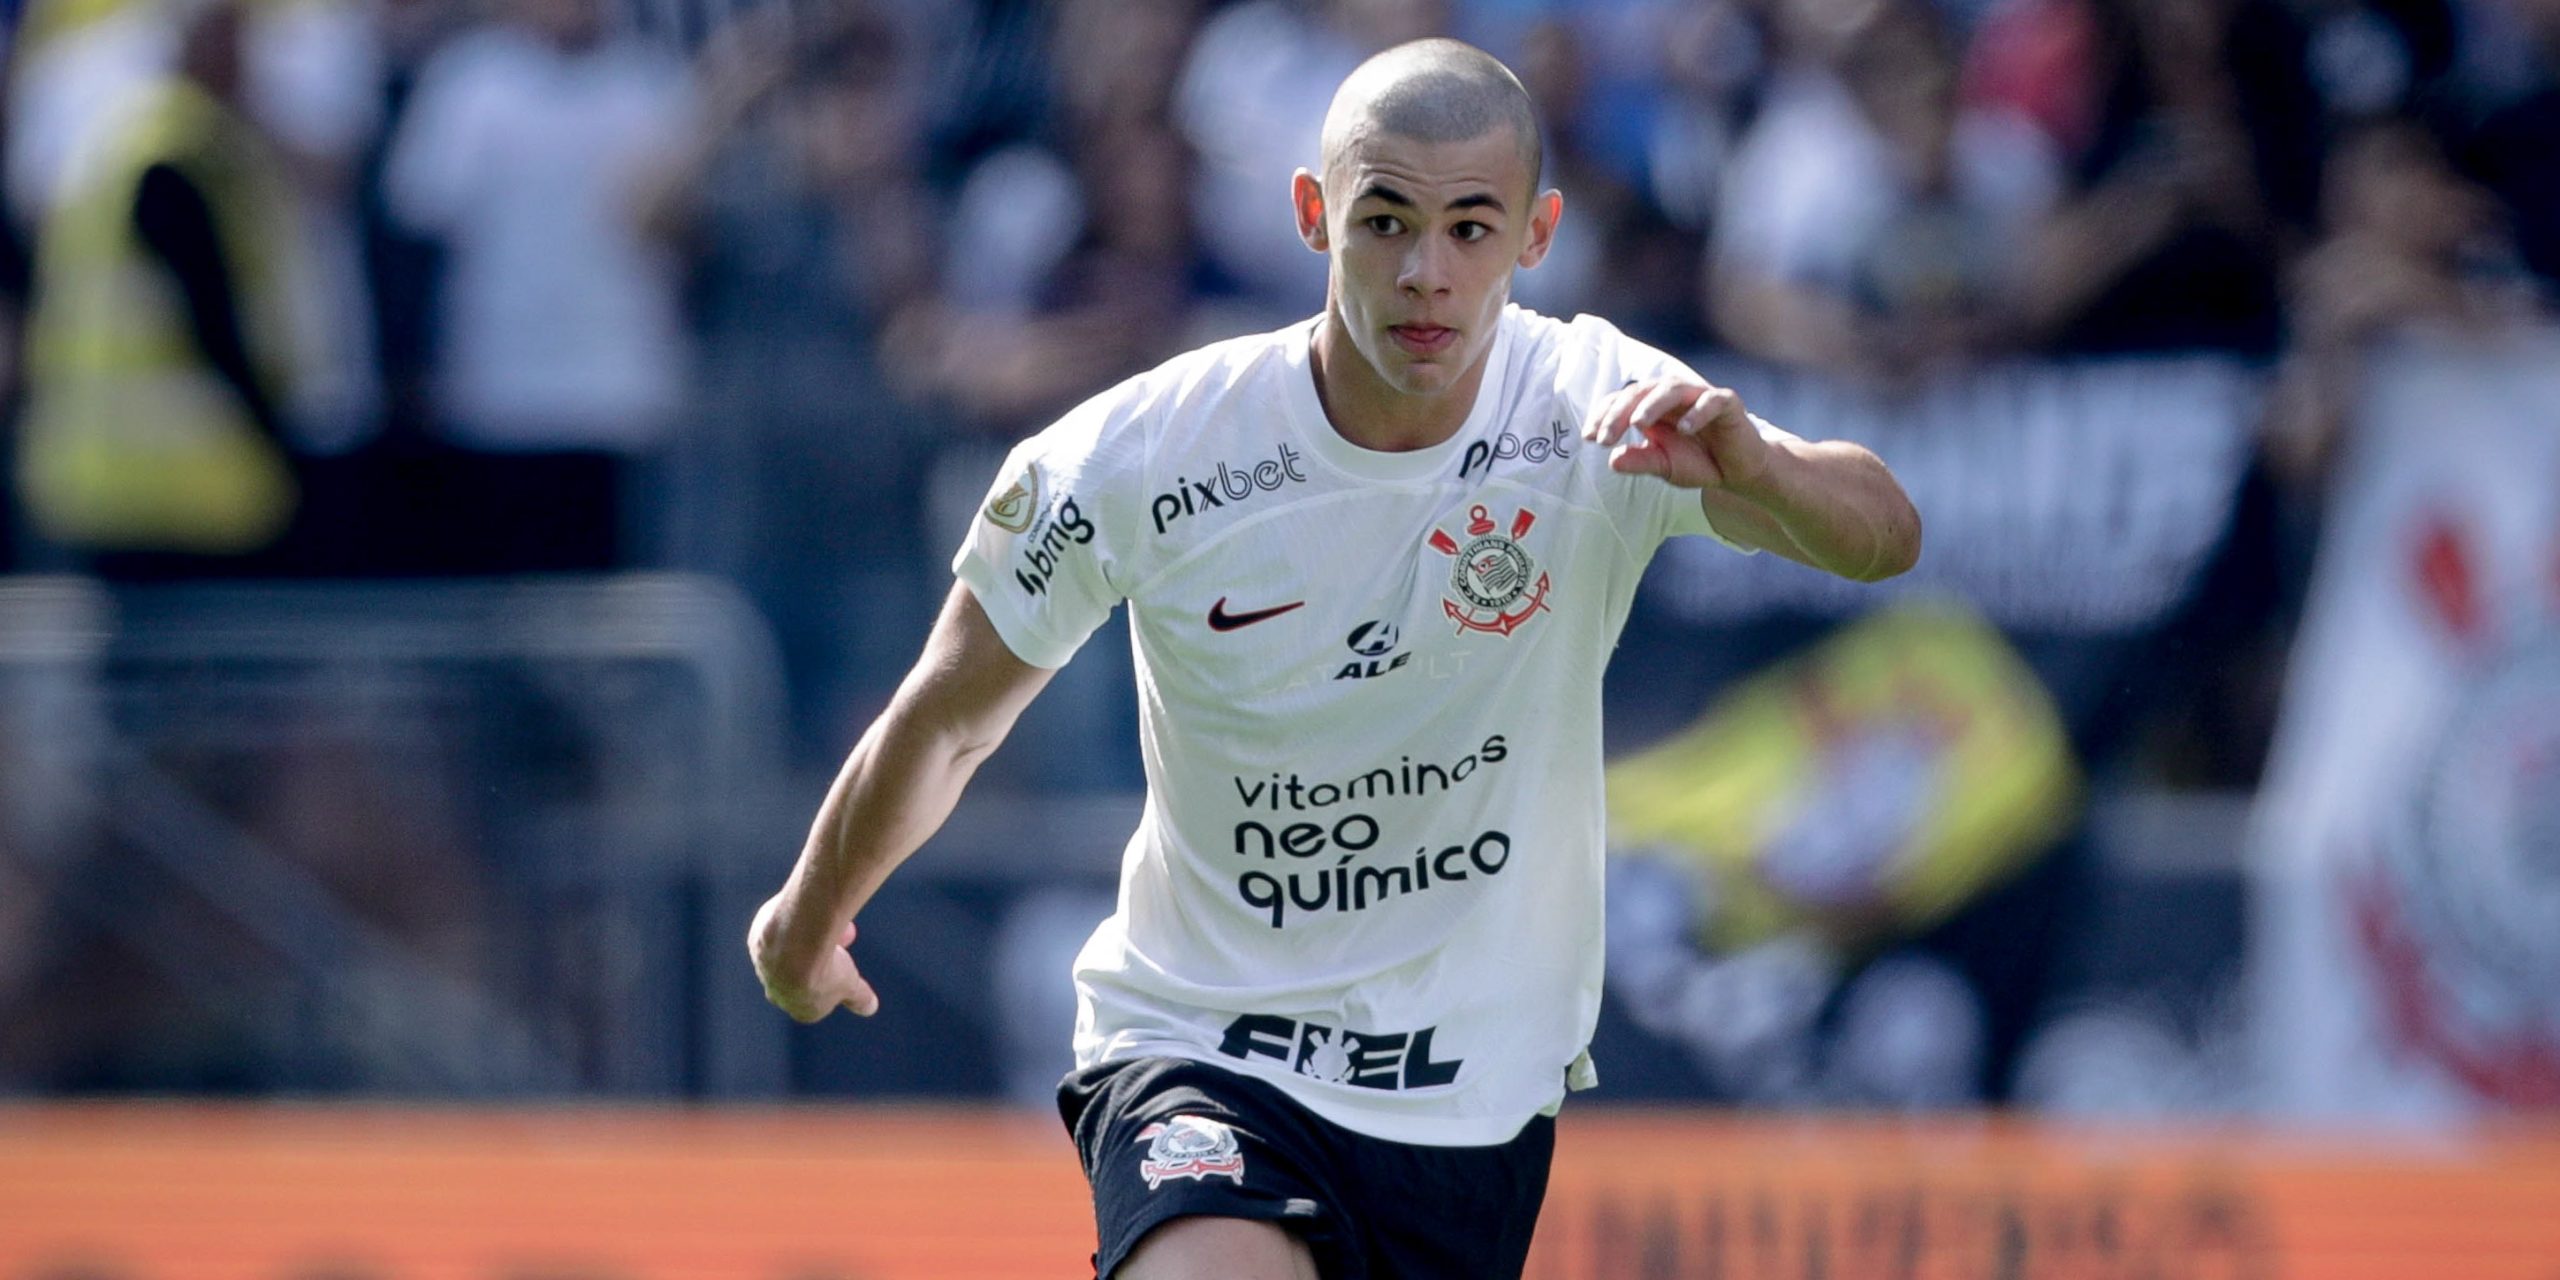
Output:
[[405, 287]]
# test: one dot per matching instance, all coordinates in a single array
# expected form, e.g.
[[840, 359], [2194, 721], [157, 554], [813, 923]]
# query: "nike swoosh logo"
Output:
[[1221, 620]]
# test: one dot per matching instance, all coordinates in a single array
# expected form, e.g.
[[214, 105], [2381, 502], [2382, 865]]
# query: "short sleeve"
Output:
[[1040, 552], [1646, 509]]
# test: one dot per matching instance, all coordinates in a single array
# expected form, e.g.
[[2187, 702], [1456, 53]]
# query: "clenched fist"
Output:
[[811, 990]]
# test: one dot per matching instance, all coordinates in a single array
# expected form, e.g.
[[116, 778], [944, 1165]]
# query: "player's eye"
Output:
[[1382, 224], [1470, 231]]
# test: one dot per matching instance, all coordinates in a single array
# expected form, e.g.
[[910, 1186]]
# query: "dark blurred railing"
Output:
[[458, 838]]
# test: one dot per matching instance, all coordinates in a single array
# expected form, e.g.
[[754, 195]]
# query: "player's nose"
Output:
[[1425, 270]]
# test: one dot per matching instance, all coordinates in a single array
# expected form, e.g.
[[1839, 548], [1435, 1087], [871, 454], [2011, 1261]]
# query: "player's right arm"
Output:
[[894, 792], [1044, 565]]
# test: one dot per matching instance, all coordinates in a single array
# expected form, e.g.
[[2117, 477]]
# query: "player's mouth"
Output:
[[1423, 339]]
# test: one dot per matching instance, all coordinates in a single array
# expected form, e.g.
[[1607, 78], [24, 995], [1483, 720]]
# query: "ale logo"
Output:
[[1372, 641]]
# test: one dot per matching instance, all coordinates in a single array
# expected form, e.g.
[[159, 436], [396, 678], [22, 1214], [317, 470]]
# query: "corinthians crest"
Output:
[[1490, 577], [1194, 1147], [2456, 903]]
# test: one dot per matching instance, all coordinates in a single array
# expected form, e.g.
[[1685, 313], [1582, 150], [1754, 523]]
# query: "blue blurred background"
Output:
[[477, 467]]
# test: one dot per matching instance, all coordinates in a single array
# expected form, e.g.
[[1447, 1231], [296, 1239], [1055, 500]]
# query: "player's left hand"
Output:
[[1691, 433]]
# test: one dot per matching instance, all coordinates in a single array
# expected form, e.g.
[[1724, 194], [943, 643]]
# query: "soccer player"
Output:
[[1374, 563]]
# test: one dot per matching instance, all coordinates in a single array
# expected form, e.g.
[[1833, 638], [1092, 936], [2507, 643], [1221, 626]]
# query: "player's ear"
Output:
[[1544, 213], [1306, 194]]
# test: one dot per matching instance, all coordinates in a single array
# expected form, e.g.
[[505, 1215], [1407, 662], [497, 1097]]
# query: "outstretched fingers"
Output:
[[1608, 418], [1716, 406], [1662, 404], [1639, 407], [1640, 456]]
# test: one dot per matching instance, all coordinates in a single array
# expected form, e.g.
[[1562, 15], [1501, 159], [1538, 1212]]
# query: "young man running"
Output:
[[1375, 564]]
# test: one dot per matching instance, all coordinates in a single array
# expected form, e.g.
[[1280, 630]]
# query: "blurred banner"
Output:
[[1867, 788], [2074, 498], [2408, 839], [342, 1193], [1832, 809]]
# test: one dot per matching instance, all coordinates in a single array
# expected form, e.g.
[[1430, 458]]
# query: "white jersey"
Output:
[[1369, 869]]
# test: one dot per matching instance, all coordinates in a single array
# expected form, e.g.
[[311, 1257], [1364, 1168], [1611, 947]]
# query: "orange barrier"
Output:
[[188, 1192]]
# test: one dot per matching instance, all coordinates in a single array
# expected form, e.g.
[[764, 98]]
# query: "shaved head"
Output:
[[1427, 203], [1434, 90]]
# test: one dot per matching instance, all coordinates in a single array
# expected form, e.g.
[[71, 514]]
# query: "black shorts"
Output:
[[1165, 1138]]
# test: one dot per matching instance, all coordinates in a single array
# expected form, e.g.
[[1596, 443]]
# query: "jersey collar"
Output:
[[1307, 420]]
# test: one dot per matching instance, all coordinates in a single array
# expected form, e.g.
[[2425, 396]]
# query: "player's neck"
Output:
[[1366, 411]]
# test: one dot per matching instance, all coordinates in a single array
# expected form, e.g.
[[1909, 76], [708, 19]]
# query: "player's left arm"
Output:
[[1829, 503]]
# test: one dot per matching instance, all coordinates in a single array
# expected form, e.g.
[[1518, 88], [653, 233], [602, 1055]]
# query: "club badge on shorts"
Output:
[[1490, 577], [1192, 1147]]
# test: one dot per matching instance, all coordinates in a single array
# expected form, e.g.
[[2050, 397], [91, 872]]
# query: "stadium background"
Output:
[[2163, 880]]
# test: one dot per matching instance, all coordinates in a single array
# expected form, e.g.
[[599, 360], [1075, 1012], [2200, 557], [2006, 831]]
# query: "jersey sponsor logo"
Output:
[[1295, 878], [1049, 540], [1194, 1147], [1012, 509], [1534, 448], [1452, 663], [1342, 888], [1294, 794], [1362, 1059], [1490, 587], [1373, 642], [1221, 620], [1189, 497], [1373, 639]]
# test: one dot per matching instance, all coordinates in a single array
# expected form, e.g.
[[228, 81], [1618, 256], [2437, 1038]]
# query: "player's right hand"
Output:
[[808, 991]]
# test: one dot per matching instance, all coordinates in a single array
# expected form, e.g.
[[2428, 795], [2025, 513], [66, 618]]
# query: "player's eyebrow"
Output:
[[1383, 192], [1380, 191]]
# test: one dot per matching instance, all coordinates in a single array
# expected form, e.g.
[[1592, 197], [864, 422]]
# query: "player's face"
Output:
[[1423, 238]]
